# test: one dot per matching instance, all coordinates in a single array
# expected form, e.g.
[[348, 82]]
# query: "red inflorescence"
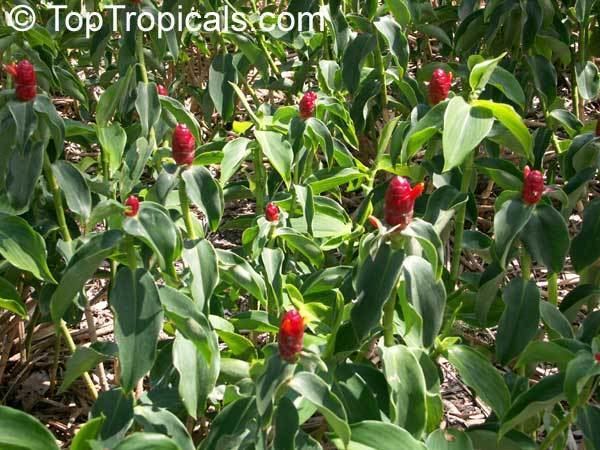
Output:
[[307, 104], [184, 145], [533, 186], [291, 334], [25, 80], [439, 86], [272, 212], [597, 357], [133, 206], [400, 201], [162, 90]]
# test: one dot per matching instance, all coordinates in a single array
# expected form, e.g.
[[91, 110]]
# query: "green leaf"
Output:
[[279, 152], [106, 209], [154, 227], [315, 391], [88, 432], [138, 320], [181, 115], [507, 83], [588, 80], [329, 179], [197, 370], [147, 105], [236, 270], [11, 300], [302, 244], [482, 72], [544, 78], [508, 117], [73, 185], [111, 99], [580, 371], [375, 282], [117, 408], [585, 248], [465, 126], [520, 320], [221, 74], [25, 249], [20, 431], [286, 424], [583, 10], [395, 38], [555, 320], [426, 294], [145, 441], [543, 395], [82, 266], [375, 435], [406, 382], [112, 140], [205, 192], [545, 225], [230, 427], [449, 440], [399, 10], [422, 131], [479, 374], [234, 154], [201, 258], [588, 420], [354, 57], [163, 421], [276, 375], [83, 360], [508, 223], [548, 352], [431, 243]]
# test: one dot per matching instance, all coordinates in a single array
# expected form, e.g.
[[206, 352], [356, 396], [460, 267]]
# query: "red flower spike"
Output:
[[307, 104], [400, 201], [291, 334], [597, 357], [25, 79], [162, 90], [272, 212], [533, 186], [439, 86], [184, 145], [133, 206]]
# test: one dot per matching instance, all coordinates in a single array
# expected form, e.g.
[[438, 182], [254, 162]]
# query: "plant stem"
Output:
[[58, 205], [381, 71], [259, 180], [71, 347], [553, 288], [388, 321], [185, 210], [525, 264], [459, 224]]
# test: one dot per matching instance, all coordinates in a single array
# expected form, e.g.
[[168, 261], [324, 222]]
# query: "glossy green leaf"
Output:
[[406, 382], [479, 374], [159, 420], [465, 126], [117, 408], [88, 432], [82, 266], [507, 83], [588, 80], [508, 223], [579, 372], [147, 105], [201, 258], [449, 440], [279, 152], [482, 72], [548, 352], [181, 115], [25, 249], [138, 319], [145, 441], [222, 72], [585, 248], [372, 435], [11, 300], [75, 188], [234, 154], [588, 420], [112, 140], [205, 192], [82, 360], [236, 270], [19, 430]]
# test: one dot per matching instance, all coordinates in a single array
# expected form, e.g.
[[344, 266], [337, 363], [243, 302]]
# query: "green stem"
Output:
[[139, 49], [56, 195], [459, 224], [553, 288], [388, 321], [71, 346], [260, 180], [185, 210], [379, 66]]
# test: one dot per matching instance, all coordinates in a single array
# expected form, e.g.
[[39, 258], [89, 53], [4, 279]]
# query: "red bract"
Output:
[[400, 201], [162, 90], [533, 186], [184, 145], [25, 80], [597, 357], [307, 104], [133, 206], [439, 86], [272, 212], [291, 334]]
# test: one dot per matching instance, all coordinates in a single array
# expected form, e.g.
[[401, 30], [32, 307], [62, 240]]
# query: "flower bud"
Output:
[[291, 334], [133, 206], [597, 358], [25, 80], [533, 186], [162, 90], [439, 86], [272, 212], [307, 104], [400, 201], [184, 145]]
